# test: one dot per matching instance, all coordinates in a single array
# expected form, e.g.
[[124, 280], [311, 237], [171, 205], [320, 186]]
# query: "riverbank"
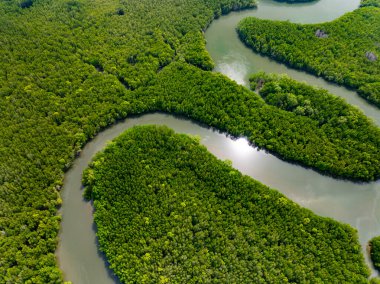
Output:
[[169, 211], [344, 51], [78, 251]]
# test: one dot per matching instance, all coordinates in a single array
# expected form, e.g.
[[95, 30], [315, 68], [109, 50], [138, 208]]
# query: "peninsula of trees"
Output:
[[167, 211]]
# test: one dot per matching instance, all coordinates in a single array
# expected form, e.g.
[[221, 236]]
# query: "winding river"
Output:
[[352, 203], [236, 61]]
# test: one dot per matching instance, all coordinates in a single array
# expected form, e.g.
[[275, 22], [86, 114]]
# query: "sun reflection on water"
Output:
[[241, 147], [235, 71]]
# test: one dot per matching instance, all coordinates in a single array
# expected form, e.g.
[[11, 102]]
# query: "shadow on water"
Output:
[[101, 254]]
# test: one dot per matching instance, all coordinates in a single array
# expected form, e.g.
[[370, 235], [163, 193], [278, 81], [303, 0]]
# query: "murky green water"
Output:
[[356, 204]]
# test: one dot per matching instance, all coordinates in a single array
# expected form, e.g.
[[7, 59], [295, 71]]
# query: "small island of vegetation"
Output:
[[167, 211]]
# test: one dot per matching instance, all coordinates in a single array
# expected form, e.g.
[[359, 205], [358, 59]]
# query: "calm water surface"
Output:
[[355, 204], [236, 61]]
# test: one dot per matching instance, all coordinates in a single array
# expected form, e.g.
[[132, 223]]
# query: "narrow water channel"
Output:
[[235, 60], [352, 203]]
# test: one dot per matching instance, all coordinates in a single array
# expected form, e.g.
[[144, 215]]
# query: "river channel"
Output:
[[352, 203], [236, 61]]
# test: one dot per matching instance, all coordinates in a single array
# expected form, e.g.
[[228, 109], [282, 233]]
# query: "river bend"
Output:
[[352, 203]]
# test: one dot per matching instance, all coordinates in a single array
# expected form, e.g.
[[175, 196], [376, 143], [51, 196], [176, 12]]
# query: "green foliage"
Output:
[[375, 280], [337, 139], [167, 211], [374, 245], [339, 121], [193, 51], [317, 104], [346, 51], [367, 3], [69, 68]]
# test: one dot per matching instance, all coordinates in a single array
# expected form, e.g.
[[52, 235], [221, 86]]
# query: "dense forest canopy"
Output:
[[344, 143], [346, 51], [373, 3], [374, 245], [343, 123], [167, 211], [69, 68]]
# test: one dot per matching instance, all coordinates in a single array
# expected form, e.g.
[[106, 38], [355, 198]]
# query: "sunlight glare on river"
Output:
[[236, 71], [241, 147]]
